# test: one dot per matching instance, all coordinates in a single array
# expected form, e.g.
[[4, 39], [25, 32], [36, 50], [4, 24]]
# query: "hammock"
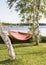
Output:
[[20, 35]]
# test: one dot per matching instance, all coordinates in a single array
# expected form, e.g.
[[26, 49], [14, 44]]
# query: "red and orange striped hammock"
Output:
[[20, 35]]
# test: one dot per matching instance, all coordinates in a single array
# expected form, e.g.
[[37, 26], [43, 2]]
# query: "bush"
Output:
[[1, 41], [13, 40], [42, 39]]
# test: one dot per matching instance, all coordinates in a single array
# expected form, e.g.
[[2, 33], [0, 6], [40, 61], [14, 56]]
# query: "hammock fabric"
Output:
[[20, 35]]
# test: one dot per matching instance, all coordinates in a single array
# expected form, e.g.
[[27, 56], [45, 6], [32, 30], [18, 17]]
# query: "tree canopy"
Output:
[[26, 8], [30, 11]]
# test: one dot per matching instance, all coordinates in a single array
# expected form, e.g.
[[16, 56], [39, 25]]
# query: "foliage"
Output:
[[31, 11], [42, 38], [26, 8]]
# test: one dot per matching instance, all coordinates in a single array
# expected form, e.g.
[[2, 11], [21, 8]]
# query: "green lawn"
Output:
[[26, 54]]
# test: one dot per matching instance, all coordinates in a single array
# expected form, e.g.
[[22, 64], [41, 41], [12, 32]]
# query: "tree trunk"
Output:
[[37, 34], [8, 43], [35, 20]]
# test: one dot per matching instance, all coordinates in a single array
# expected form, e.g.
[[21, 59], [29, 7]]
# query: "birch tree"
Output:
[[30, 11], [36, 10], [8, 43]]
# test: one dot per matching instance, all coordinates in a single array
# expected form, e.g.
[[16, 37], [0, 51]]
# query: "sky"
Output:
[[11, 17]]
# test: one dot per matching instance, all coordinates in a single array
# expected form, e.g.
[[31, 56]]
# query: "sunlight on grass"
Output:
[[26, 54]]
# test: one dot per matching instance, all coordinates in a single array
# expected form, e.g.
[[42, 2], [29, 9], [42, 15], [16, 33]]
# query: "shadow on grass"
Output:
[[30, 53], [10, 62], [24, 45], [18, 45], [5, 61]]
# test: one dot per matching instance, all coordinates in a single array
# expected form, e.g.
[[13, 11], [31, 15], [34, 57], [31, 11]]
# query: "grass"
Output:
[[26, 54]]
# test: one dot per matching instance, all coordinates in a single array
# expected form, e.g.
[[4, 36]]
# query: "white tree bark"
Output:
[[8, 43], [36, 20]]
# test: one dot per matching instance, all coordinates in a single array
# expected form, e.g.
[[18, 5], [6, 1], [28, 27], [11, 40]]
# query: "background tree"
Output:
[[30, 10]]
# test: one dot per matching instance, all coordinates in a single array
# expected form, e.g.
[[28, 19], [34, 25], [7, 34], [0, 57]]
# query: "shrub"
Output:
[[42, 38]]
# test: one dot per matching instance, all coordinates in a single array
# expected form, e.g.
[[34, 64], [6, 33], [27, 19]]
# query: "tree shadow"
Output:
[[10, 62], [24, 45], [5, 61], [29, 53]]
